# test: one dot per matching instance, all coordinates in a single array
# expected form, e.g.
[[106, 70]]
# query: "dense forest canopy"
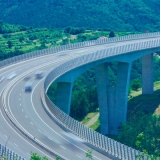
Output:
[[118, 15]]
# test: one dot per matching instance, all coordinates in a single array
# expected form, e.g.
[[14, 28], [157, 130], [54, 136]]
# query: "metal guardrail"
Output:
[[8, 154], [93, 137]]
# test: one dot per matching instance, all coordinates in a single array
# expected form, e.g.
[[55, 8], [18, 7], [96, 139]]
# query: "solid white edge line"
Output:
[[15, 144], [62, 147], [79, 157]]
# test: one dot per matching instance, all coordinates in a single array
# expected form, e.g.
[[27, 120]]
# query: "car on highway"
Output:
[[39, 74], [11, 76], [1, 78], [27, 78], [28, 87]]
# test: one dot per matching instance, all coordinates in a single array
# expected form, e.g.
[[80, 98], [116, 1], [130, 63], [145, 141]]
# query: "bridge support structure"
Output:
[[147, 74], [102, 80], [63, 96], [112, 100], [122, 85]]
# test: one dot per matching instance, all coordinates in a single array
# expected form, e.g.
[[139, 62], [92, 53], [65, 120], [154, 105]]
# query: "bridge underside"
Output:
[[112, 99]]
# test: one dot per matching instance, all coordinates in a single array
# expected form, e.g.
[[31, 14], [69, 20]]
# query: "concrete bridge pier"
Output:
[[63, 96], [102, 81], [147, 74], [112, 100], [121, 91]]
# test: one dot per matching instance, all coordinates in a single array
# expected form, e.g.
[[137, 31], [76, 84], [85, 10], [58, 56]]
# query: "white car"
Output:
[[39, 74], [11, 76], [1, 78]]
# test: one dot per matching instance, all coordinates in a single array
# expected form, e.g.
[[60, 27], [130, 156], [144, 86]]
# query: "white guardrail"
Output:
[[106, 144], [8, 154]]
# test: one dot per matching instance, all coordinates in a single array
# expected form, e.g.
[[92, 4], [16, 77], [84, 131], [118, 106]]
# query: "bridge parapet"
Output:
[[8, 154]]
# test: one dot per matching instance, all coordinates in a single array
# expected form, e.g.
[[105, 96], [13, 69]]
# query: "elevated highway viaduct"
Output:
[[27, 113]]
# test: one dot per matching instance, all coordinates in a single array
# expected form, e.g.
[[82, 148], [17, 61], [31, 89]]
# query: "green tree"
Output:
[[89, 154], [43, 45], [21, 38], [111, 34], [1, 25], [10, 44], [65, 41], [135, 84], [35, 156], [57, 158]]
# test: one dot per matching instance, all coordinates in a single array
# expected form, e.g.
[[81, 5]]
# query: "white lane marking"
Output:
[[25, 116], [62, 147], [22, 110], [20, 94], [50, 138], [31, 123], [19, 99], [39, 130], [20, 104], [28, 153], [79, 157], [15, 144], [22, 90], [50, 127], [5, 136]]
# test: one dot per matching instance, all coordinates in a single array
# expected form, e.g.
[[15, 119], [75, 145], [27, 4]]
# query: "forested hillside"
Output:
[[118, 15]]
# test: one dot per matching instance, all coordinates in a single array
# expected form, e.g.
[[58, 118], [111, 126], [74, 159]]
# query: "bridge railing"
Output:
[[106, 144], [8, 154], [71, 46]]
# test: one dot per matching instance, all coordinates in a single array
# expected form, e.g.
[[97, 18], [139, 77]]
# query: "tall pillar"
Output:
[[111, 109], [63, 96], [123, 76], [102, 81], [147, 74]]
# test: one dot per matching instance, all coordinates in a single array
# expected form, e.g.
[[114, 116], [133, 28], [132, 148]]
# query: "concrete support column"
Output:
[[147, 74], [102, 81], [111, 109], [123, 76], [63, 96]]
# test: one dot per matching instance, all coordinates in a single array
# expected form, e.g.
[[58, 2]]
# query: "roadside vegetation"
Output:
[[17, 39]]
